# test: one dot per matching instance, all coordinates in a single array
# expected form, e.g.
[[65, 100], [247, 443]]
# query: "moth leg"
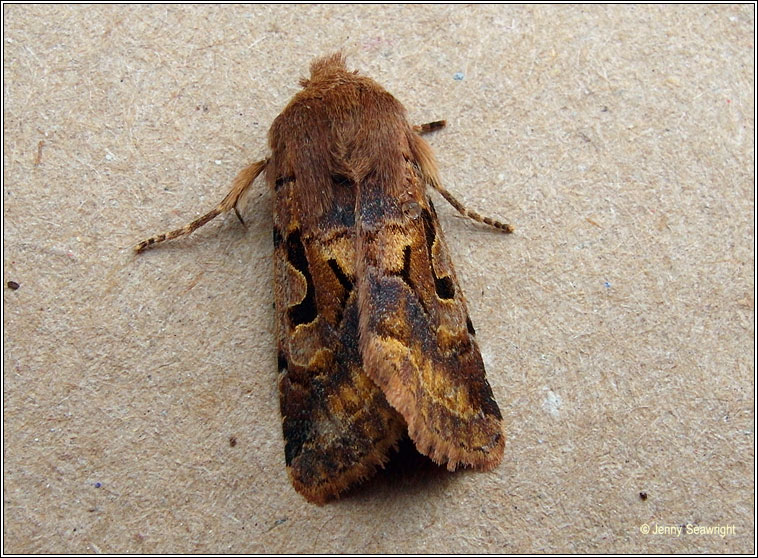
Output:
[[429, 127], [240, 185]]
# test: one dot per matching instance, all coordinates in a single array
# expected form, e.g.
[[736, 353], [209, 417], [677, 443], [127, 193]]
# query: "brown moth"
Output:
[[374, 339]]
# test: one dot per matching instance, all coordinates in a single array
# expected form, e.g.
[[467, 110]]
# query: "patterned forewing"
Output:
[[417, 341], [337, 425]]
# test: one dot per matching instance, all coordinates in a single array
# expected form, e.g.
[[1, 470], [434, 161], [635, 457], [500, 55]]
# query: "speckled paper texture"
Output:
[[616, 323]]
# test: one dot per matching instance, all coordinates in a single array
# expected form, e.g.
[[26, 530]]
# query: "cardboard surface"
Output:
[[616, 324]]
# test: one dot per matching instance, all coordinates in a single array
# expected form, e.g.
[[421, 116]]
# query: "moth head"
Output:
[[325, 68]]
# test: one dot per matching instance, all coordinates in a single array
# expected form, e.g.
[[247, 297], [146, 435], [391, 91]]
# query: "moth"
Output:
[[374, 338]]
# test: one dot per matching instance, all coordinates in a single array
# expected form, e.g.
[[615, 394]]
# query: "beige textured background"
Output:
[[617, 324]]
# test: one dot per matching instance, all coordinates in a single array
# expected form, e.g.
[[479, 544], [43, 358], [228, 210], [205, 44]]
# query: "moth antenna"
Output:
[[463, 210], [240, 185], [428, 167]]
